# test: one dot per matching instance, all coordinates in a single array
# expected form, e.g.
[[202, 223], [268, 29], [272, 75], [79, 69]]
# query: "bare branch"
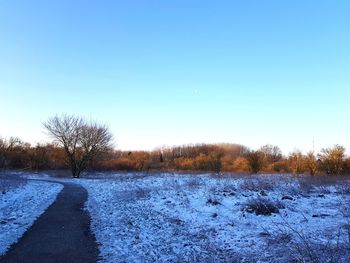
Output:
[[82, 141]]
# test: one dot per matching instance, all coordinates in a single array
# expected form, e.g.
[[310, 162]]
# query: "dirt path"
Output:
[[62, 234]]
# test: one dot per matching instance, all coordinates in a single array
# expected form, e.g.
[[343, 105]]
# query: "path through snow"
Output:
[[21, 206]]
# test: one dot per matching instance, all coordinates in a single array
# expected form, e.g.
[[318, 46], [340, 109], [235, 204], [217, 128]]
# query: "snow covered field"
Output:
[[197, 218], [21, 202], [179, 218]]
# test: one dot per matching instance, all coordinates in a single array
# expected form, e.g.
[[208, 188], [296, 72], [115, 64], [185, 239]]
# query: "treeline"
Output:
[[15, 154]]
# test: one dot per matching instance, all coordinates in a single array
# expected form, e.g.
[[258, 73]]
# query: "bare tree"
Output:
[[311, 163], [82, 141], [6, 146], [271, 153], [297, 162], [255, 161], [333, 159]]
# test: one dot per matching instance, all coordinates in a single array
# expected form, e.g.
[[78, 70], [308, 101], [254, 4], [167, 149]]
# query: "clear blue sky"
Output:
[[173, 72]]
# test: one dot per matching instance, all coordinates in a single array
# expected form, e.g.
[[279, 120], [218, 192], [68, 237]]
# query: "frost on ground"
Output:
[[181, 218], [21, 202]]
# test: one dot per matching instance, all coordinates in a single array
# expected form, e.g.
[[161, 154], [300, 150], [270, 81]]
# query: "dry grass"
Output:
[[256, 185], [8, 183], [263, 206]]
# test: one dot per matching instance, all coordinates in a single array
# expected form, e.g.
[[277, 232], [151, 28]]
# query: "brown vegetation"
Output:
[[15, 154], [80, 145]]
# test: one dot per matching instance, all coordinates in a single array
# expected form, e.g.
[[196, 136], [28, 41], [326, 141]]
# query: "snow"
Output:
[[197, 218], [20, 205], [186, 218]]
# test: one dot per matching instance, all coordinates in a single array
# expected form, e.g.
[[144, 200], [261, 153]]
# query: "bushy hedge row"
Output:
[[15, 154]]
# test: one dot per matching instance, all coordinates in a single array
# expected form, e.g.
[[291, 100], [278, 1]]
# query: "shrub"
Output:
[[213, 202], [256, 185], [183, 163], [255, 161], [333, 160], [263, 206], [241, 164]]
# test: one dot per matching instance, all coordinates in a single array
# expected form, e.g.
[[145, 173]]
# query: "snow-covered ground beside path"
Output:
[[167, 218], [201, 218], [21, 203]]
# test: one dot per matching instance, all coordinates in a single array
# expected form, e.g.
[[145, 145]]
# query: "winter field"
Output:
[[201, 218]]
